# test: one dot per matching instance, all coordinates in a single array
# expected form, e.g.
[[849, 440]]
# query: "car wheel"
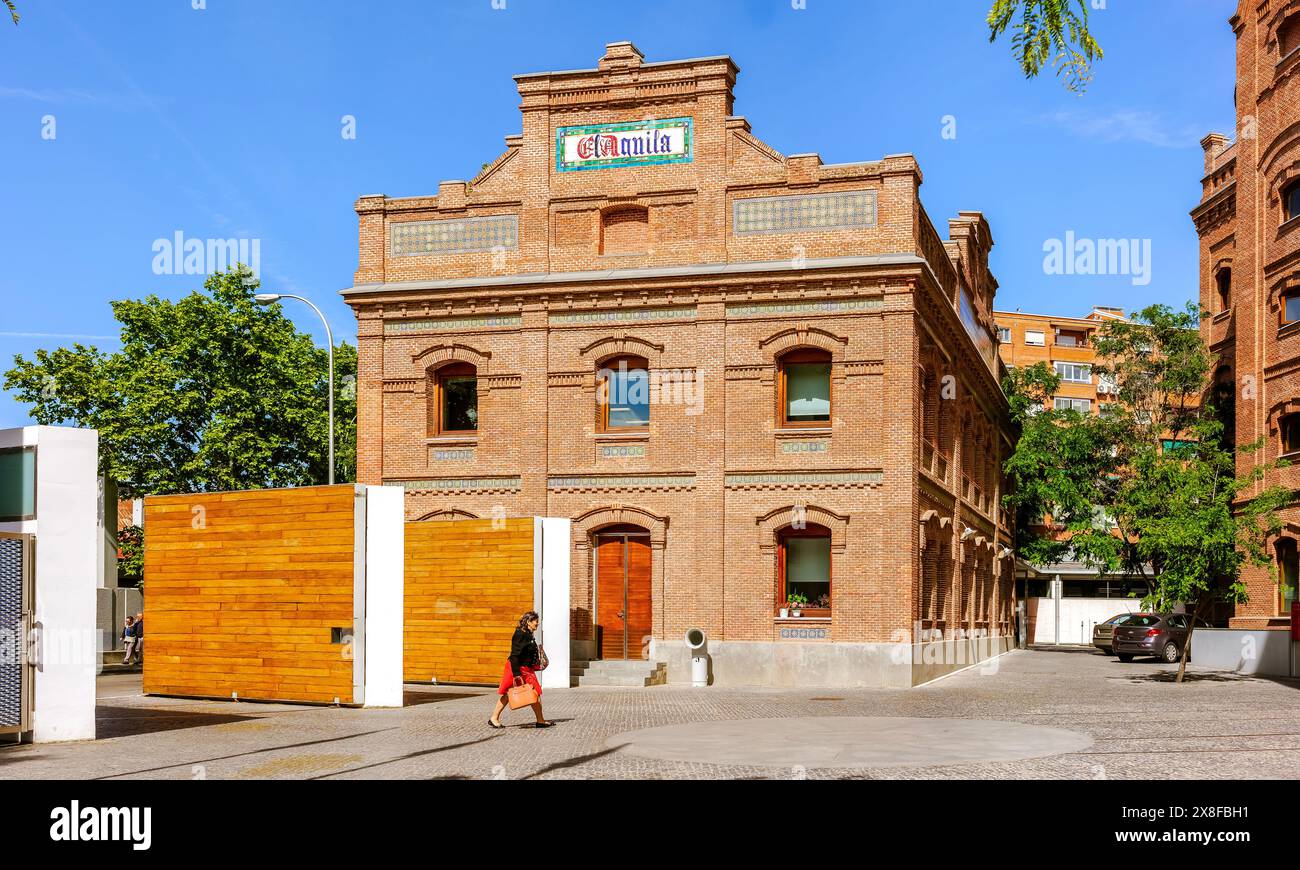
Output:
[[1124, 657], [1171, 652]]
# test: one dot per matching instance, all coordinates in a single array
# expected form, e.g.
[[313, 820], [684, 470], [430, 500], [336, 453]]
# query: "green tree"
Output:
[[1149, 487], [130, 555], [13, 10], [210, 392], [1048, 31]]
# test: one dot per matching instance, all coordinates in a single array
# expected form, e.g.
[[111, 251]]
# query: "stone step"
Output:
[[622, 665], [623, 673]]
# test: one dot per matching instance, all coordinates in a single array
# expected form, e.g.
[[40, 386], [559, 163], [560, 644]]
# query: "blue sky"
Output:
[[225, 122]]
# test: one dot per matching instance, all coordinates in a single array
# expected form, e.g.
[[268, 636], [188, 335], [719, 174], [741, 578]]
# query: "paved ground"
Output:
[[1086, 716]]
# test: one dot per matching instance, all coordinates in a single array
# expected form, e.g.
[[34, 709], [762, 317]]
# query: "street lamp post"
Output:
[[269, 298]]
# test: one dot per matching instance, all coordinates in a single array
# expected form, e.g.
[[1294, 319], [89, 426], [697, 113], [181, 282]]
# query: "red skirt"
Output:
[[508, 679]]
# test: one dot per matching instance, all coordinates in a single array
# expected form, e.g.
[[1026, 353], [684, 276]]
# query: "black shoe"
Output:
[[494, 725], [544, 724]]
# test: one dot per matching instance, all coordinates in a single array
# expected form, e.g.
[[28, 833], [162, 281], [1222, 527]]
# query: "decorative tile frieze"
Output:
[[463, 236], [621, 451], [623, 315], [460, 484], [803, 213], [821, 445], [622, 481], [804, 479], [455, 454], [806, 308], [788, 633], [453, 324]]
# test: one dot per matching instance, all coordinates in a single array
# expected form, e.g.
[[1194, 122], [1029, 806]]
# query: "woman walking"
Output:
[[524, 657]]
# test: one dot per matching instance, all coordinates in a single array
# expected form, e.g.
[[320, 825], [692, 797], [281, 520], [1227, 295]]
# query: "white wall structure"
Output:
[[1243, 651], [68, 564], [1078, 617], [385, 530], [551, 549]]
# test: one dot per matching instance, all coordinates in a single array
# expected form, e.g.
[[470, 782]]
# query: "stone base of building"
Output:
[[1260, 623], [830, 665]]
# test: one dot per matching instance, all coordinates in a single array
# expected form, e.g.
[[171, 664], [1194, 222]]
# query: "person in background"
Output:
[[139, 636], [128, 640], [519, 669]]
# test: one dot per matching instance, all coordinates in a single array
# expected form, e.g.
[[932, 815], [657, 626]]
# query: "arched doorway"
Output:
[[622, 591]]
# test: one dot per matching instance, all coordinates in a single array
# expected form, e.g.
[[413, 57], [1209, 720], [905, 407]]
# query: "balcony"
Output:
[[934, 461]]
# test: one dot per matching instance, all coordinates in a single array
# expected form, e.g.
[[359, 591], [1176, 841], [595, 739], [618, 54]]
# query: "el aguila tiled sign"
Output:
[[638, 143]]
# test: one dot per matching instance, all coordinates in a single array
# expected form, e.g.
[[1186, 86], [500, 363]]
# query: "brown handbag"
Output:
[[521, 694], [542, 661]]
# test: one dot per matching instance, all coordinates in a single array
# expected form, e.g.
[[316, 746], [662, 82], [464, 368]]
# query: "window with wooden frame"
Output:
[[1289, 306], [1289, 430], [453, 400], [1291, 201], [1288, 573], [804, 569], [623, 395], [804, 389]]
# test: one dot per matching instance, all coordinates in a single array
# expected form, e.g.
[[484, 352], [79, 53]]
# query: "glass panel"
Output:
[[1293, 202], [1292, 308], [460, 404], [629, 398], [808, 392], [17, 484], [808, 569]]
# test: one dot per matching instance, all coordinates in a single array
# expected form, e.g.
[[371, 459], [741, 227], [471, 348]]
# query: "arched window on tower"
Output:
[[452, 392], [1223, 288]]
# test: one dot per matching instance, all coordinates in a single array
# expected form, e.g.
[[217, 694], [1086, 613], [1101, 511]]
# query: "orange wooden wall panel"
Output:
[[467, 583], [241, 590]]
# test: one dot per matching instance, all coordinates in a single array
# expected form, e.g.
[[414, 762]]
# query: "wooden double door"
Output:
[[623, 608]]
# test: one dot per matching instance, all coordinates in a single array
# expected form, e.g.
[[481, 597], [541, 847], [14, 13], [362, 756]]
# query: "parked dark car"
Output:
[[1103, 631], [1161, 635]]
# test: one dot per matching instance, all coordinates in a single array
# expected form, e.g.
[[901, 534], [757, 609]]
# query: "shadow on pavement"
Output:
[[130, 721], [412, 698]]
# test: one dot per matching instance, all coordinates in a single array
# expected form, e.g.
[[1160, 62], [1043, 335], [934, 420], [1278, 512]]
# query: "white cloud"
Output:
[[1130, 125]]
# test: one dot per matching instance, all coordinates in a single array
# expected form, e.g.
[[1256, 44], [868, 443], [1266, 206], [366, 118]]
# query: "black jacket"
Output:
[[523, 651]]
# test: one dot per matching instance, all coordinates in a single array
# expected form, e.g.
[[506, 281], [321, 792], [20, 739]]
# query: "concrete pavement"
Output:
[[1039, 715]]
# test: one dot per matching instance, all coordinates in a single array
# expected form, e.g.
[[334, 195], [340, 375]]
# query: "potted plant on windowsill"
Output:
[[796, 601]]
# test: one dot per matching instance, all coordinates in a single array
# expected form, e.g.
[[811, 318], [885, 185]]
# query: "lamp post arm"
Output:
[[329, 337]]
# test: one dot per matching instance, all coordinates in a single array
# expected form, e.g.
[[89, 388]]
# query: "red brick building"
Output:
[[747, 378], [1249, 226]]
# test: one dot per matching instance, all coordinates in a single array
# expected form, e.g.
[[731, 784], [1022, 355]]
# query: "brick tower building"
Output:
[[1249, 227], [756, 383]]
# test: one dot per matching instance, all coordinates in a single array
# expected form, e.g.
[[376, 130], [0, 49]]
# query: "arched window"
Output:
[[452, 392], [625, 230], [1291, 201], [804, 569], [623, 395], [1288, 572], [1288, 37], [804, 389], [1289, 429], [1223, 403], [1223, 287]]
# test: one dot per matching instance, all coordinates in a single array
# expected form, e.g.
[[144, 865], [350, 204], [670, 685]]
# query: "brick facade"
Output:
[[710, 269], [1251, 252]]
